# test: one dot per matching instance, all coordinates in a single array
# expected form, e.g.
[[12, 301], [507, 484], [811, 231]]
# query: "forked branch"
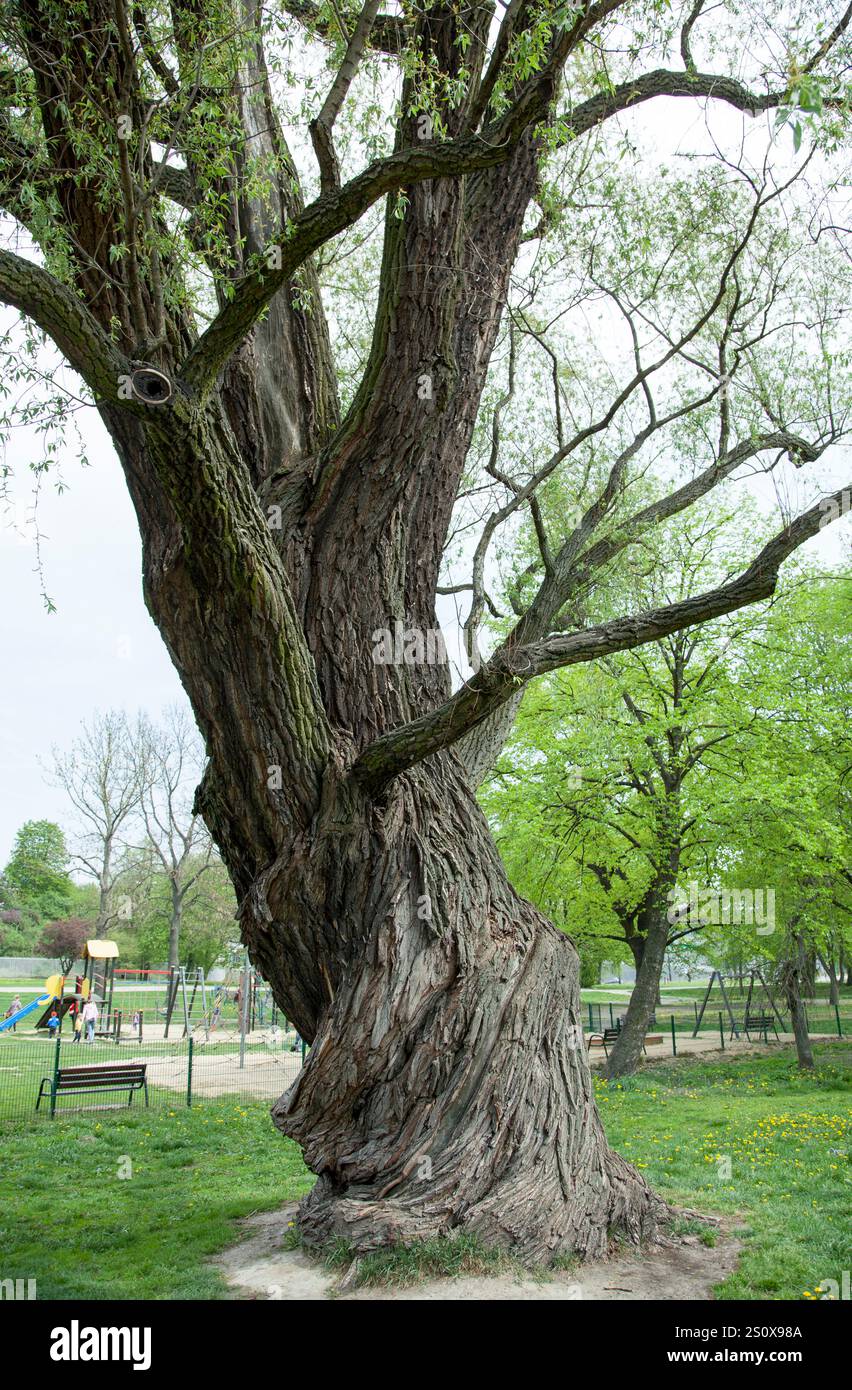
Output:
[[322, 128], [512, 667]]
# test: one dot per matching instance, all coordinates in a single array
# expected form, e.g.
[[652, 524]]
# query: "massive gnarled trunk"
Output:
[[447, 1084]]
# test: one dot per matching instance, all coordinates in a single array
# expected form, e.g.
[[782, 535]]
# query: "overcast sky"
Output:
[[100, 648]]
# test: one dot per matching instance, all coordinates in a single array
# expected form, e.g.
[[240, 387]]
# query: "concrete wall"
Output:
[[20, 967]]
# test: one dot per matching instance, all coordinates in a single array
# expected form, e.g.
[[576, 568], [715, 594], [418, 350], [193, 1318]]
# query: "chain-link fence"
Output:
[[674, 1032], [43, 1076], [824, 1019]]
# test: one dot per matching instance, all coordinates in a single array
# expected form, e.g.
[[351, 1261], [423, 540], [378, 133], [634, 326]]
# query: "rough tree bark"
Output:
[[790, 979], [175, 922], [654, 924], [447, 1084]]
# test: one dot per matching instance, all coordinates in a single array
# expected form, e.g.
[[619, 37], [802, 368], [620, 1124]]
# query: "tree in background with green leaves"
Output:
[[789, 824], [36, 886], [617, 773], [712, 762], [207, 917]]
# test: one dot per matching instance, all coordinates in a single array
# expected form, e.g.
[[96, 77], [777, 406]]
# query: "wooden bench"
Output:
[[609, 1035], [115, 1076], [759, 1023]]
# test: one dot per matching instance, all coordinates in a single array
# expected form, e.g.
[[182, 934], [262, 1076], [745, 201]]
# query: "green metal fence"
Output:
[[676, 1030], [188, 1070], [824, 1019], [162, 1073]]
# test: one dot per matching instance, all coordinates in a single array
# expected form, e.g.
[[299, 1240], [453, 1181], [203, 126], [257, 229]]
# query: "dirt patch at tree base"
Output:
[[260, 1267]]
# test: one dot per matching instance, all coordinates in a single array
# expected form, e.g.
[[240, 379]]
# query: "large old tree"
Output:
[[150, 154]]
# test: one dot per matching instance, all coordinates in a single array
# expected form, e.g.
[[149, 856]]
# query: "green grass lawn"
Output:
[[69, 1220], [786, 1138]]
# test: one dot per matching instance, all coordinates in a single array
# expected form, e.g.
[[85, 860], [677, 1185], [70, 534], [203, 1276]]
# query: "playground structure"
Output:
[[179, 1001], [171, 1003], [202, 1038], [99, 959], [202, 1003], [52, 994], [96, 982]]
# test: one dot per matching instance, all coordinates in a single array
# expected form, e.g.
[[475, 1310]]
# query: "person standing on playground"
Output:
[[53, 1024], [14, 1008], [78, 1026], [90, 1018]]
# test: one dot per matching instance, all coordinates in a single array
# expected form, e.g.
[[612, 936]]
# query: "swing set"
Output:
[[186, 987], [756, 1019]]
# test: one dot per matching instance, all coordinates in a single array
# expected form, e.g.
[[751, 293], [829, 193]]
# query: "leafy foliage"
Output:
[[36, 883]]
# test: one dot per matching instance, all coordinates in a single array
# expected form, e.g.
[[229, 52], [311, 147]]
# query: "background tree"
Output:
[[64, 941], [280, 538], [12, 939], [207, 919], [100, 777], [618, 776], [791, 829], [36, 883], [169, 763]]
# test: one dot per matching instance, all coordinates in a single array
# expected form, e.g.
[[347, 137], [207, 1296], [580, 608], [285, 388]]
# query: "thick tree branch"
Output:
[[156, 62], [604, 550], [61, 314], [663, 82], [387, 33], [512, 667], [330, 214], [514, 11], [175, 184]]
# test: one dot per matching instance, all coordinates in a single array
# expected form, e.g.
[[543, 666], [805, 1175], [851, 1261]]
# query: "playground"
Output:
[[152, 1041], [156, 1003], [188, 1038]]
